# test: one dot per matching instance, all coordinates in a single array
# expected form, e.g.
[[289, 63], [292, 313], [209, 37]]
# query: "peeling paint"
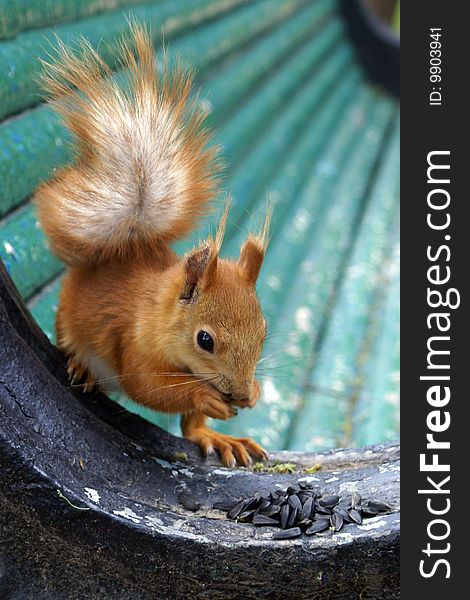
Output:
[[373, 524], [225, 472], [128, 513], [153, 522], [92, 495], [187, 472]]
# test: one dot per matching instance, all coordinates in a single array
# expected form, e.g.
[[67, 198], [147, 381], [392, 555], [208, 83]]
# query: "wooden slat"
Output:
[[20, 58], [332, 386], [376, 415], [22, 250], [36, 143], [318, 235], [43, 307], [16, 16]]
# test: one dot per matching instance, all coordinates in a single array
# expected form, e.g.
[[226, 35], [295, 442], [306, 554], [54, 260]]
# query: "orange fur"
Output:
[[130, 309]]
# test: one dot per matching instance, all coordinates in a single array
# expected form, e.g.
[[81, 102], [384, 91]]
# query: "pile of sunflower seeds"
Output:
[[301, 509]]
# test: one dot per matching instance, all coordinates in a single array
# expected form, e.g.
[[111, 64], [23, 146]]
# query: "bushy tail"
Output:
[[143, 172]]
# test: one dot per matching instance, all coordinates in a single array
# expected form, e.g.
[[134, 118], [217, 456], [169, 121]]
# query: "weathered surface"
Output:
[[116, 529]]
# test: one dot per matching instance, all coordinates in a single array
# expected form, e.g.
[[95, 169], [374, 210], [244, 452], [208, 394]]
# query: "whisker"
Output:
[[172, 385], [155, 374]]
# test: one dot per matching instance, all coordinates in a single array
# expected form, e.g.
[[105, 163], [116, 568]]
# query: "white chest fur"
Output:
[[105, 377]]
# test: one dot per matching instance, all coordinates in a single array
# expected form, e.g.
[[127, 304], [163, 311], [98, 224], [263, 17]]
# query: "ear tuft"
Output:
[[199, 271], [253, 251]]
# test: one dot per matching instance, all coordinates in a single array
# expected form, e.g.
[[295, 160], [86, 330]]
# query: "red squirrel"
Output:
[[180, 334]]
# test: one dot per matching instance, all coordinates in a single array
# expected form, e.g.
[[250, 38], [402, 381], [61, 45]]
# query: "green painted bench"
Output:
[[300, 124]]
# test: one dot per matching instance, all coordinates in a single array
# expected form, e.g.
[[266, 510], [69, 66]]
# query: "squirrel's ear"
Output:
[[253, 251], [200, 267], [251, 258]]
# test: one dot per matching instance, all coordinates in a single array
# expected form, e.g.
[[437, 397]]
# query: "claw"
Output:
[[232, 450]]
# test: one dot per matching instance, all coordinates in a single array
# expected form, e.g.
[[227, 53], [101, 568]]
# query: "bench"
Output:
[[301, 124]]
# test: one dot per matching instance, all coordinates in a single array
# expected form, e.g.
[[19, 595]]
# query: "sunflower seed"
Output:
[[252, 503], [272, 511], [329, 501], [323, 510], [295, 502], [291, 521], [287, 534], [336, 521], [304, 522], [246, 516], [343, 513], [188, 501], [305, 485], [355, 500], [369, 511], [306, 512], [264, 520], [317, 527], [236, 510], [304, 496], [292, 490], [263, 505], [380, 506], [355, 516], [284, 515]]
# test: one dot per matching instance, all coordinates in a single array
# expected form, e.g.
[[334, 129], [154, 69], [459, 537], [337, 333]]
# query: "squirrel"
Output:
[[179, 334]]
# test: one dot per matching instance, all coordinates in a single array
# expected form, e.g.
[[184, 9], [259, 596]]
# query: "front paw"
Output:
[[214, 406], [232, 450]]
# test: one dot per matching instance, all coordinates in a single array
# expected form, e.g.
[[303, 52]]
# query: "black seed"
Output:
[[246, 516], [304, 496], [264, 520], [225, 504], [292, 520], [306, 512], [304, 522], [323, 510], [305, 485], [236, 510], [355, 516], [284, 515], [291, 490], [252, 503], [355, 500], [188, 501], [343, 513], [272, 511], [336, 521], [318, 526], [279, 493], [263, 505], [287, 534], [329, 501], [295, 502], [369, 511], [380, 506]]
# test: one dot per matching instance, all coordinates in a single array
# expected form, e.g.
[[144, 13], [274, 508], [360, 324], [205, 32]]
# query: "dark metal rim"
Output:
[[377, 46], [81, 476]]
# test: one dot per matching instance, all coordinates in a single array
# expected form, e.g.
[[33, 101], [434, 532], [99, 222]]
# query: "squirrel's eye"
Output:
[[205, 341]]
